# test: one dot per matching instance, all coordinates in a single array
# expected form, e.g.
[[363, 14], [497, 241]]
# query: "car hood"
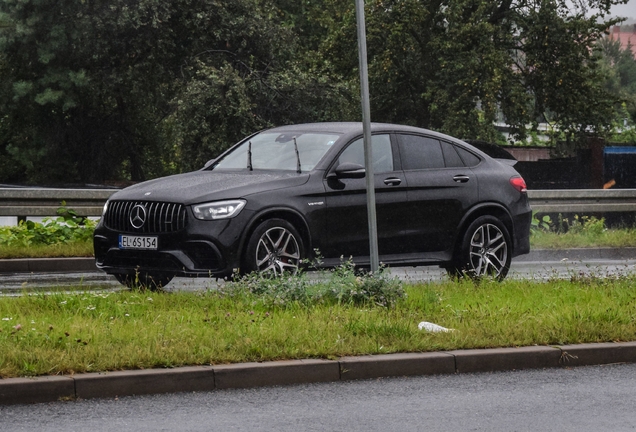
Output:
[[201, 186]]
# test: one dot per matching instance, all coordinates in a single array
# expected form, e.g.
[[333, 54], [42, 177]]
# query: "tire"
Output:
[[144, 280], [485, 250], [275, 247]]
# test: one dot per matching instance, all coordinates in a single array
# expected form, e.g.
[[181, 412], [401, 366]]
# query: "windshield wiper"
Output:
[[297, 156], [249, 156]]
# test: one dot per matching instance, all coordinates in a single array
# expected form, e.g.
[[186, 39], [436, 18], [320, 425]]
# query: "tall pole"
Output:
[[366, 128]]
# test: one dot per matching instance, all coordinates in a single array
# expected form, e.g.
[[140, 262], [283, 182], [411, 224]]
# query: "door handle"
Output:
[[392, 181], [461, 178]]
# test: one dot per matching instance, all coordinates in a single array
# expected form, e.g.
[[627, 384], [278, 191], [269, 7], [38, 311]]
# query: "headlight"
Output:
[[218, 210]]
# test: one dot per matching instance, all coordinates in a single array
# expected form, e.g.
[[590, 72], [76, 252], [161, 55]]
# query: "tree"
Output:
[[620, 70], [453, 66], [95, 90]]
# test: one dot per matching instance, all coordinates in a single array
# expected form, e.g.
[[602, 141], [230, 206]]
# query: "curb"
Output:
[[47, 265], [288, 372], [53, 265]]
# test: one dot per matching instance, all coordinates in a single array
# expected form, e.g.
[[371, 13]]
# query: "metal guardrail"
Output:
[[583, 201], [89, 202], [45, 202]]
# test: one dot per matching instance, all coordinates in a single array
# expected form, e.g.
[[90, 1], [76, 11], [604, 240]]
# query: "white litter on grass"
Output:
[[433, 328]]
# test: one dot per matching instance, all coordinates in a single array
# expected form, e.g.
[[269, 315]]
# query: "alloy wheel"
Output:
[[488, 251], [277, 252]]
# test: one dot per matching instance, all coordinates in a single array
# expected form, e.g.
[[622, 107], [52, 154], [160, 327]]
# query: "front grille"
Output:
[[145, 217]]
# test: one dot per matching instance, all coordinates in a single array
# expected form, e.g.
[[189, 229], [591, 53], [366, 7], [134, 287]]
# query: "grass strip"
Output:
[[610, 238], [72, 333], [58, 250]]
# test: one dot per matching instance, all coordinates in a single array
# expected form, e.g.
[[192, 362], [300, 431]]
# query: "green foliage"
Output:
[[586, 225], [540, 222], [68, 227], [93, 91], [577, 224], [452, 67], [340, 286], [619, 66], [580, 232]]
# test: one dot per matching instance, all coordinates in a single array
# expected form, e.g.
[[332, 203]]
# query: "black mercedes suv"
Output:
[[271, 201]]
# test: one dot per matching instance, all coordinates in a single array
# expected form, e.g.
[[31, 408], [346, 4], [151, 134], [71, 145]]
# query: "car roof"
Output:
[[348, 127]]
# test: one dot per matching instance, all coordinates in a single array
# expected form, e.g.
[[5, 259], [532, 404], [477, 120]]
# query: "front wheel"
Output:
[[485, 250], [144, 280], [274, 248]]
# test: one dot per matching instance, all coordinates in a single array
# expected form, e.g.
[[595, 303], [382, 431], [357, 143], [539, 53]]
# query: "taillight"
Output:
[[519, 184]]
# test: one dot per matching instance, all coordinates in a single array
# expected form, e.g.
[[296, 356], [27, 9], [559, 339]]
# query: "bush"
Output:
[[66, 228], [340, 286]]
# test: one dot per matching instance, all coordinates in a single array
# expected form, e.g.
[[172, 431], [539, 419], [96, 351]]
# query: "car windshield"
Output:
[[277, 151]]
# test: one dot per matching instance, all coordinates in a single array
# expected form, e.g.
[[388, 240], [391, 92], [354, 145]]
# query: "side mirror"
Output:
[[209, 163], [350, 170]]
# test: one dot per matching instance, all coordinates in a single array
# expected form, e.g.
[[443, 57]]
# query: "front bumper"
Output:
[[202, 248]]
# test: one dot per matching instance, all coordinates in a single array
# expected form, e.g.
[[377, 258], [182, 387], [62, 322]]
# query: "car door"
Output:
[[347, 222], [441, 187]]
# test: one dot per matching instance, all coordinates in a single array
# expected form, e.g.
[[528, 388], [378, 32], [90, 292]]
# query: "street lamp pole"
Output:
[[366, 127]]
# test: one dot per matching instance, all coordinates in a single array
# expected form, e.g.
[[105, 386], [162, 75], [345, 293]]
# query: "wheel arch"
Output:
[[290, 215], [483, 209]]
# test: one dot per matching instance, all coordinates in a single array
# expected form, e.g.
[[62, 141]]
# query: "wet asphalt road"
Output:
[[11, 284], [595, 398]]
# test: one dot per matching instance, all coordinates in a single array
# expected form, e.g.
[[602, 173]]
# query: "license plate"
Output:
[[137, 242]]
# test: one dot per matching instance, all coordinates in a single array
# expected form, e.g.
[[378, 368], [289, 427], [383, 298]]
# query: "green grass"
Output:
[[58, 250], [67, 333], [614, 238]]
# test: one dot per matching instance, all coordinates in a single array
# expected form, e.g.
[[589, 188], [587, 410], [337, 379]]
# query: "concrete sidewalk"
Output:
[[244, 375], [63, 265]]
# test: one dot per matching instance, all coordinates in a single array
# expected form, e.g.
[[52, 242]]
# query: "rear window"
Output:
[[418, 152], [470, 160]]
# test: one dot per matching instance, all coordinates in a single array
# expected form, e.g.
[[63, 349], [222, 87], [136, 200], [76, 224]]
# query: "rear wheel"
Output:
[[144, 280], [274, 248], [485, 250]]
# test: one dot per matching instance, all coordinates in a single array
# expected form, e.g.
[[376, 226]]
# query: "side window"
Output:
[[419, 152], [470, 160], [382, 154], [451, 157]]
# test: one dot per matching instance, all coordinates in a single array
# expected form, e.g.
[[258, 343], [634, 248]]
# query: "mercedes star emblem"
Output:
[[138, 216]]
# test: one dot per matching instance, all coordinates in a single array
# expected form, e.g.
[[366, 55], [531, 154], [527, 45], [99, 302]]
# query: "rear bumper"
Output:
[[521, 239]]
